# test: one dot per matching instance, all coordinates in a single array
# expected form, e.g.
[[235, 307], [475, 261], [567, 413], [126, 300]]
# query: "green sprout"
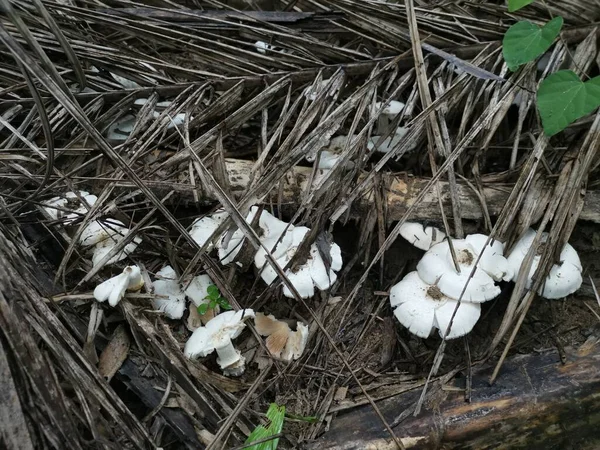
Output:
[[215, 299]]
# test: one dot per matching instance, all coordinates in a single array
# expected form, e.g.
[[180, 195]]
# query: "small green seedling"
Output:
[[215, 299], [276, 416]]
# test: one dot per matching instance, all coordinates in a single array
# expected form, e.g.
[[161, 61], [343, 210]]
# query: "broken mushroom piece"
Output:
[[203, 228], [564, 278], [422, 307], [114, 288], [70, 198], [217, 335], [197, 292], [420, 236], [281, 341], [169, 299], [437, 268]]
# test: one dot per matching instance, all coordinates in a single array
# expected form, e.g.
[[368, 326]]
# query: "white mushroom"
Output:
[[217, 335], [63, 203], [437, 268], [281, 341], [114, 288], [170, 298], [272, 230], [121, 129], [174, 121], [389, 143], [203, 228], [312, 273], [564, 278], [229, 251], [103, 248], [388, 114], [420, 236], [97, 231], [422, 307]]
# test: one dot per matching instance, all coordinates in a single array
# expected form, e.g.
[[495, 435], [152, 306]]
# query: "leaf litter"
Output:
[[238, 132]]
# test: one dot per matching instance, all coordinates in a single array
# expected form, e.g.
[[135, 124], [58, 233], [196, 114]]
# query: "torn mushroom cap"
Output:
[[114, 288], [203, 228], [564, 278], [217, 335], [281, 341], [422, 307], [420, 236], [170, 298], [437, 268], [312, 273], [103, 248]]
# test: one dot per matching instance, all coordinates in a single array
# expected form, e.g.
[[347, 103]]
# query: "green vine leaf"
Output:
[[202, 308], [515, 5], [525, 41], [563, 98]]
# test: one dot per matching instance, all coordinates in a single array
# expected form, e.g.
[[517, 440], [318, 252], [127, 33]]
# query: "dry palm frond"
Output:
[[212, 122]]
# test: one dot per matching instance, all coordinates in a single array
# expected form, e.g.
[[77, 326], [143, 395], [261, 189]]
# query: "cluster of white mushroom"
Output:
[[330, 154], [282, 240], [218, 333], [212, 331], [100, 236], [454, 277]]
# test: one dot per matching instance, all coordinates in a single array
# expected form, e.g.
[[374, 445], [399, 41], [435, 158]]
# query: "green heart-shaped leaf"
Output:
[[515, 5], [563, 98], [525, 41]]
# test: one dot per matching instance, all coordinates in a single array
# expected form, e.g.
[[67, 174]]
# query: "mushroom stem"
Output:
[[227, 355]]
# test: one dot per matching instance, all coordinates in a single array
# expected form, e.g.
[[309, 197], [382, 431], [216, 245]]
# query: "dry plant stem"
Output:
[[433, 128], [566, 202]]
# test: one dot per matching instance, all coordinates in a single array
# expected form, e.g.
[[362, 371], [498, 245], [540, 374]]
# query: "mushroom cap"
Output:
[[114, 288], [564, 278], [276, 331], [296, 343], [420, 236], [167, 286], [392, 108], [389, 143], [418, 310], [312, 273], [103, 248], [197, 290], [96, 231], [492, 259], [121, 129], [217, 333], [228, 253], [262, 47], [437, 267], [272, 228], [203, 228]]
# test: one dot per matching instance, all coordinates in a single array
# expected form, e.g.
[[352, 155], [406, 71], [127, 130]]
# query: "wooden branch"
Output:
[[536, 403], [401, 194]]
